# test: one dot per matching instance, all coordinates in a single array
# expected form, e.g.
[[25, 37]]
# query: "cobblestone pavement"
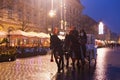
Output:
[[37, 68], [34, 68], [40, 68]]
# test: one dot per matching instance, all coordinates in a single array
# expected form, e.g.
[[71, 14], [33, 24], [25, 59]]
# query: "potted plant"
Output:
[[7, 53]]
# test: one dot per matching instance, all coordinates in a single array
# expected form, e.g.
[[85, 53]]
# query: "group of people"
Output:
[[73, 46]]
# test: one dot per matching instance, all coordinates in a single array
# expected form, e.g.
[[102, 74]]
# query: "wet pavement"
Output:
[[34, 68], [108, 64], [40, 68]]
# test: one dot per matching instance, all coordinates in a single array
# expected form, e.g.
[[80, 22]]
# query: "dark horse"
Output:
[[57, 52]]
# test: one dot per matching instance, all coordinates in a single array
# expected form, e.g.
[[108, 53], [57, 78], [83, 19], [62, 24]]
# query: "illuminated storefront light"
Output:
[[101, 28]]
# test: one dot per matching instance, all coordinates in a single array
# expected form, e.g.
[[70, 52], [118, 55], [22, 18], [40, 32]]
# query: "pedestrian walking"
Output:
[[67, 49], [72, 41], [83, 41]]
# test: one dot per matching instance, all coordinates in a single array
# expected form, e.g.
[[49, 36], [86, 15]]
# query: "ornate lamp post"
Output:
[[52, 14], [63, 22]]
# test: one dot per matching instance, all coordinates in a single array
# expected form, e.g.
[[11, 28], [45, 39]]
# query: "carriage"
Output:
[[90, 52], [91, 49]]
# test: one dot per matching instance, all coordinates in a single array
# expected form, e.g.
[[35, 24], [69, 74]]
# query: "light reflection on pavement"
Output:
[[36, 68], [40, 68], [108, 65]]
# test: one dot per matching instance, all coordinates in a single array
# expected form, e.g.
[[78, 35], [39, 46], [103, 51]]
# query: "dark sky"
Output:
[[106, 10]]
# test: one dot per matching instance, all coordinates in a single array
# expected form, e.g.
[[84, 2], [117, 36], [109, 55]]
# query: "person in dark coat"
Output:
[[56, 46], [72, 42], [83, 41], [67, 49]]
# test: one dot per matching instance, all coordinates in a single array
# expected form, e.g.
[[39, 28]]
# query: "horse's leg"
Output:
[[52, 56], [73, 63], [61, 62], [67, 59], [57, 61]]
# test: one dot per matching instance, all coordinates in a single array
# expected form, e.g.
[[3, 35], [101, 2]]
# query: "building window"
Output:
[[20, 15], [1, 14], [10, 13], [1, 4], [16, 1], [70, 10], [74, 10], [29, 1], [28, 17]]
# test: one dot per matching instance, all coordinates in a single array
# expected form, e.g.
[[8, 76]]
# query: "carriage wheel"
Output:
[[89, 58]]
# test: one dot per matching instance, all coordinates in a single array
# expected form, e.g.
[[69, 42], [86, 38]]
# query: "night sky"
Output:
[[106, 10]]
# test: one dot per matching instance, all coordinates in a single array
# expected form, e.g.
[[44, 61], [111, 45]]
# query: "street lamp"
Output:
[[52, 13], [63, 22], [61, 14]]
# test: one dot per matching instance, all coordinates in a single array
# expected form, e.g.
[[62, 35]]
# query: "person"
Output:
[[83, 41], [74, 50], [66, 48], [56, 46]]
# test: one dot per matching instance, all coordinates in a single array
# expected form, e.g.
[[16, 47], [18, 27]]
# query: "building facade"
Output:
[[33, 15]]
